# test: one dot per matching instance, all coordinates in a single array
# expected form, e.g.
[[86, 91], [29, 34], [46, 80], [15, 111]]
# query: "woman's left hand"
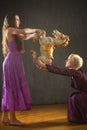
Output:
[[39, 32]]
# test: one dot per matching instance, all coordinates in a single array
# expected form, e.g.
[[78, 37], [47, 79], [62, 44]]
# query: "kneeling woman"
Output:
[[77, 102]]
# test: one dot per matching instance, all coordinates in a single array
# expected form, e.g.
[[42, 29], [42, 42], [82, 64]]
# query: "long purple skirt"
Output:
[[15, 92]]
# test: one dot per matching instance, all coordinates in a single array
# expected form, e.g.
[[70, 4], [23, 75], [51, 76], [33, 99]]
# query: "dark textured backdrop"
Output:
[[69, 17]]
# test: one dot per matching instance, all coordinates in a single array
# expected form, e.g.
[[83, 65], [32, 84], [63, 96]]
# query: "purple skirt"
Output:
[[15, 92]]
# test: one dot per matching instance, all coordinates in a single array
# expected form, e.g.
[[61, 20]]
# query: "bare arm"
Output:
[[38, 33], [25, 33], [27, 36]]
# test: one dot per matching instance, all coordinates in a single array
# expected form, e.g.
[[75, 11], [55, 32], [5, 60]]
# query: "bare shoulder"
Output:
[[10, 34], [11, 30]]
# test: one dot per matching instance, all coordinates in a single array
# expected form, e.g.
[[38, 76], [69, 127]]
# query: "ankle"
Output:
[[5, 120], [5, 116]]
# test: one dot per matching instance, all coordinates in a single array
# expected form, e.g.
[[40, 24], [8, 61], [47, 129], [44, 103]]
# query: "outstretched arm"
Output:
[[37, 33], [27, 36], [63, 71], [57, 70], [25, 33]]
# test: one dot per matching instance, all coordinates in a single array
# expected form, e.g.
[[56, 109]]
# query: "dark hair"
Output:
[[10, 17], [9, 21]]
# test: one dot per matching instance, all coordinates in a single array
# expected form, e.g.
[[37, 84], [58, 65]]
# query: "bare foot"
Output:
[[5, 121], [16, 123]]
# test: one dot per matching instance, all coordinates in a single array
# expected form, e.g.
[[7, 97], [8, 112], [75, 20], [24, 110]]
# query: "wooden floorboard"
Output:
[[45, 117]]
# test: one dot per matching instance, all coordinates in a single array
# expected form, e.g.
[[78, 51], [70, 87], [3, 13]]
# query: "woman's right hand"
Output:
[[39, 32]]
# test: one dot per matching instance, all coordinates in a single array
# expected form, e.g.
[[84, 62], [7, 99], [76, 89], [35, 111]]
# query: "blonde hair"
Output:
[[76, 61]]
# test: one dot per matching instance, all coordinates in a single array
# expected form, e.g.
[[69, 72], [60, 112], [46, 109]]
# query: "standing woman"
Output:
[[15, 92]]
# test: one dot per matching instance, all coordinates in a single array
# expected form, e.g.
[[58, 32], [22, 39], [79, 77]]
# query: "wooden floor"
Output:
[[45, 117]]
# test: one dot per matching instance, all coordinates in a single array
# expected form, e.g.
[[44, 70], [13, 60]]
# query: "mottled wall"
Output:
[[69, 17]]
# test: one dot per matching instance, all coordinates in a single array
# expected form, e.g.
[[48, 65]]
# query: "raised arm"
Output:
[[25, 33], [35, 33]]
